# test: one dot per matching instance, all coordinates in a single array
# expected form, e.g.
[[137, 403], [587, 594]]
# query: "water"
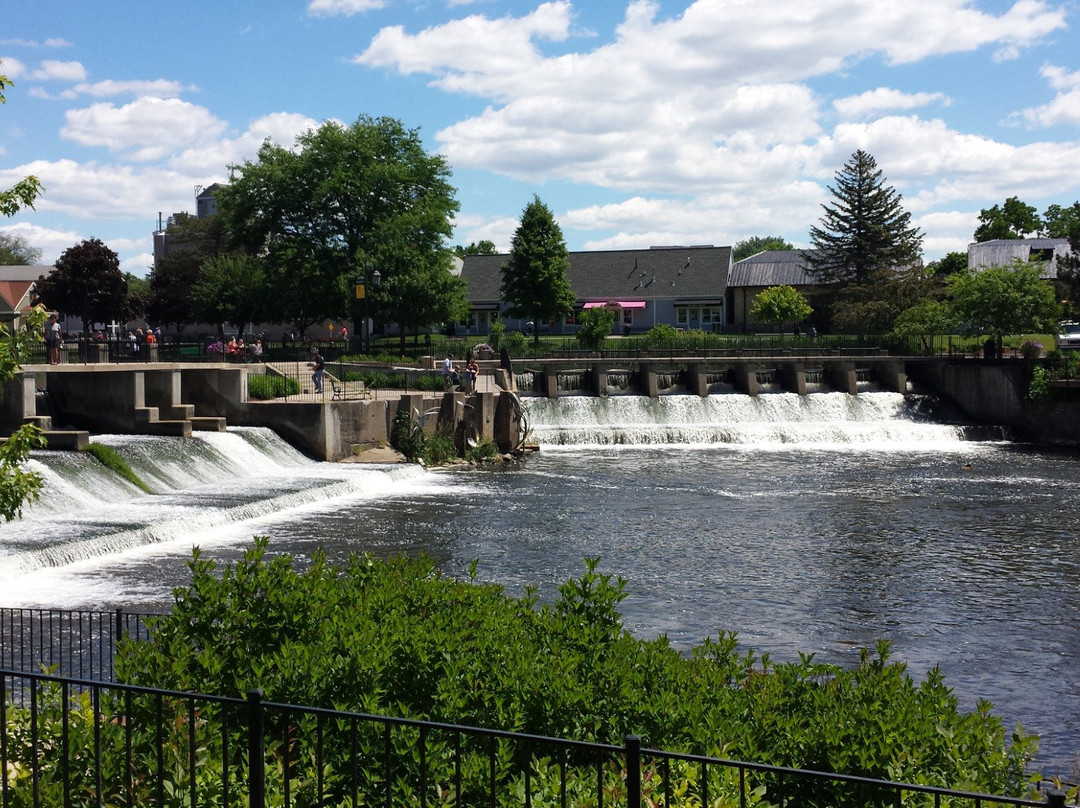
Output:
[[818, 525]]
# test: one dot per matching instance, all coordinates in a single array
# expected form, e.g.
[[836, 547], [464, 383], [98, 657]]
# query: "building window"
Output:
[[680, 315]]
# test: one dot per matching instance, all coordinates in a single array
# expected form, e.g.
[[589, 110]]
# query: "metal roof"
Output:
[[772, 268]]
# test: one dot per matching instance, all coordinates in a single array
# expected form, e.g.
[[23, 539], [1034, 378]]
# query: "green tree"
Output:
[[755, 244], [23, 193], [347, 198], [14, 251], [1059, 222], [1014, 219], [865, 231], [172, 282], [534, 280], [1004, 300], [872, 307], [951, 263], [137, 297], [926, 320], [87, 282], [231, 289], [780, 304], [596, 324], [17, 485], [482, 247]]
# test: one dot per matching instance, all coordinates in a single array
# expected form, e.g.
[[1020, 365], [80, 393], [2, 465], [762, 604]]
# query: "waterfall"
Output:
[[200, 485], [880, 420]]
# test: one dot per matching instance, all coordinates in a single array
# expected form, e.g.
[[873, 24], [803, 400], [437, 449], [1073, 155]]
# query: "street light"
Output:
[[372, 278]]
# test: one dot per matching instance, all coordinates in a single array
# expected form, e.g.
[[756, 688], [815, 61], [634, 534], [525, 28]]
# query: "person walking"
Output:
[[52, 340], [319, 365]]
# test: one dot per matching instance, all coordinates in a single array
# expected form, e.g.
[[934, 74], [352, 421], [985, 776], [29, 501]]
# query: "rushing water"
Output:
[[816, 524]]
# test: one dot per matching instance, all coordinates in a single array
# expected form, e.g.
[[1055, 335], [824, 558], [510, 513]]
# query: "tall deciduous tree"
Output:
[[780, 304], [231, 289], [866, 230], [1014, 219], [755, 244], [1059, 222], [14, 251], [346, 199], [86, 281], [482, 247], [1004, 300], [534, 280]]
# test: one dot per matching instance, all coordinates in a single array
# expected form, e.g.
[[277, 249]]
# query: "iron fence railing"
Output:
[[75, 742]]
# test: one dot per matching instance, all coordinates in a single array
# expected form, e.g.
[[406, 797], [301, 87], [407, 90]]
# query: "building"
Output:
[[166, 243], [751, 276], [682, 286], [1003, 252], [16, 291]]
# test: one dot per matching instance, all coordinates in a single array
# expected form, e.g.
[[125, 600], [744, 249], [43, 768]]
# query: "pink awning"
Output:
[[617, 304]]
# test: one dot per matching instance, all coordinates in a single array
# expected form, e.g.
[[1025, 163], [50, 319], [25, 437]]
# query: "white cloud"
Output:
[[138, 265], [157, 88], [1065, 106], [52, 70], [146, 129], [50, 241], [347, 8], [872, 102], [56, 42], [12, 67]]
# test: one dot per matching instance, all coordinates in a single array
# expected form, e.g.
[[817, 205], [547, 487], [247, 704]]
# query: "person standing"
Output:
[[449, 372], [52, 340], [319, 365]]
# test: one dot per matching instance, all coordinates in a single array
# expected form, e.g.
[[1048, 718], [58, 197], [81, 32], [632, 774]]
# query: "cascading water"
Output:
[[883, 420], [200, 484]]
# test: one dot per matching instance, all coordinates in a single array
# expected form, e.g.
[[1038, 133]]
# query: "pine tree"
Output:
[[534, 280], [866, 231]]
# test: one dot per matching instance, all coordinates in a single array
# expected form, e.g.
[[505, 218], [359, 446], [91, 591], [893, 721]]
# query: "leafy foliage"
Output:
[[14, 251], [263, 387], [405, 435], [660, 334], [866, 230], [534, 279], [23, 193], [596, 324], [233, 289], [1014, 219], [399, 638], [780, 304], [1004, 300], [86, 281], [755, 244]]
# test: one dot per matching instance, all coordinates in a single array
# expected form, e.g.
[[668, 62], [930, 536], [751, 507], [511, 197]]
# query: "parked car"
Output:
[[1068, 336]]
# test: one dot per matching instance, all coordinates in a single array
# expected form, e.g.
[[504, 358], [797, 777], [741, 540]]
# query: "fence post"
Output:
[[256, 750], [1055, 798], [633, 771]]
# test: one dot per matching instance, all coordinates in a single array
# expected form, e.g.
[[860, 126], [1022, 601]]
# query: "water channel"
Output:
[[816, 524]]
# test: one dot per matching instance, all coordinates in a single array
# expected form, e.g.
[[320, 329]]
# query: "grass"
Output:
[[112, 460]]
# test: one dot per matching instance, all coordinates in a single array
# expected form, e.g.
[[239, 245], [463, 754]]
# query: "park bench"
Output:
[[345, 391]]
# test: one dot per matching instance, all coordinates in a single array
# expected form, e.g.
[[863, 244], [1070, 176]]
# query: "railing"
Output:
[[80, 644], [76, 742]]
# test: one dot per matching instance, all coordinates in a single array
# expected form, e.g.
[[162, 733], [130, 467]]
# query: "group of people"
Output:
[[238, 349], [466, 378]]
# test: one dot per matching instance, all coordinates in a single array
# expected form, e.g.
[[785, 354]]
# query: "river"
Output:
[[817, 524]]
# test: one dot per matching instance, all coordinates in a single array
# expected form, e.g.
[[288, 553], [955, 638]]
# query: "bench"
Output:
[[345, 391]]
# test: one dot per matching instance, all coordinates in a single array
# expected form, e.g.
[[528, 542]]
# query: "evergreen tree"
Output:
[[867, 229], [534, 280]]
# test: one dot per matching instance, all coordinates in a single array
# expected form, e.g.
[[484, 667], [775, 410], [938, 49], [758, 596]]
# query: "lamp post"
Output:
[[372, 278]]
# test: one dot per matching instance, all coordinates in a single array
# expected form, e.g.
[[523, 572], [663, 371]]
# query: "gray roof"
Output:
[[660, 273], [1002, 252], [772, 268], [24, 273]]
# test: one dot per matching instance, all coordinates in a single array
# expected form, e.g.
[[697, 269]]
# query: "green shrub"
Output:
[[514, 342], [483, 451], [660, 334], [495, 334], [111, 459], [405, 435], [399, 638], [266, 387], [596, 325], [438, 449]]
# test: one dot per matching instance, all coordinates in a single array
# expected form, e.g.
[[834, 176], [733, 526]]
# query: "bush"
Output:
[[266, 387], [482, 452], [495, 334], [514, 342], [399, 638], [660, 334], [405, 435], [596, 325], [438, 449]]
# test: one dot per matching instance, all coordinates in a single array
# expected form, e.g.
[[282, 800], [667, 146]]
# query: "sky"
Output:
[[638, 123]]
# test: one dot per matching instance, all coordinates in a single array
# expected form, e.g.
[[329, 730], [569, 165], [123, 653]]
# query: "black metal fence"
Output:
[[81, 743]]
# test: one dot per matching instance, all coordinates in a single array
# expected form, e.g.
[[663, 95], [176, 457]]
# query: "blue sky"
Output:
[[639, 123]]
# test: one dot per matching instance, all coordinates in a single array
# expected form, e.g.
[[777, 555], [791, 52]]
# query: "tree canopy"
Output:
[[1014, 219], [347, 198], [865, 230], [14, 251], [755, 244], [1004, 300], [87, 282], [482, 247], [534, 280], [780, 304]]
